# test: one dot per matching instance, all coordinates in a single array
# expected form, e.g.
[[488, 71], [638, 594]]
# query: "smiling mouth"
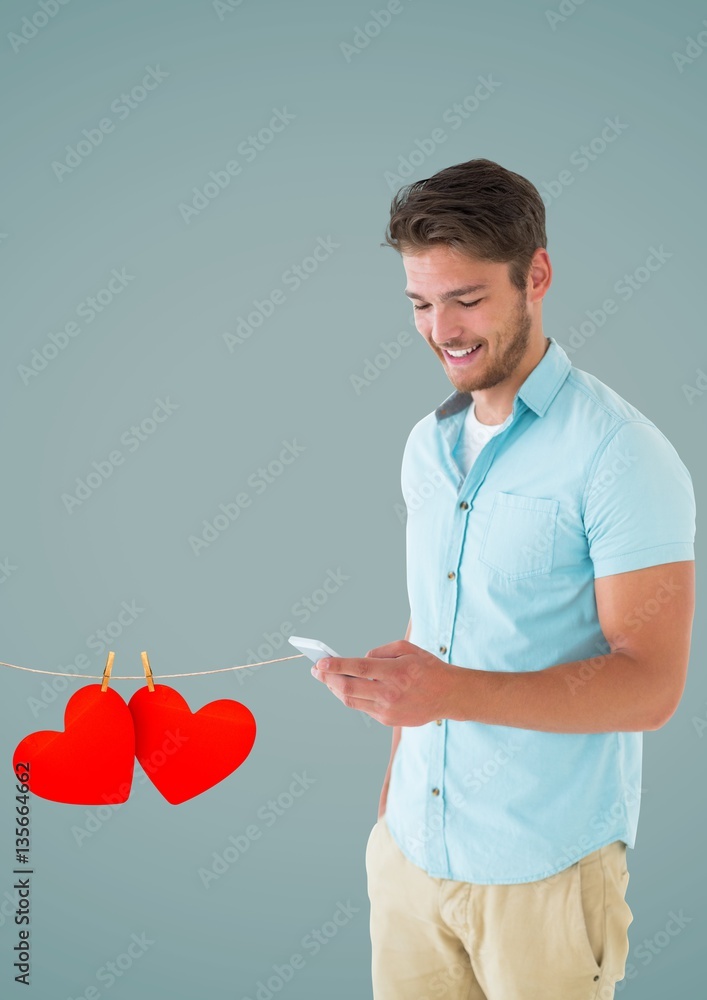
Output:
[[463, 356]]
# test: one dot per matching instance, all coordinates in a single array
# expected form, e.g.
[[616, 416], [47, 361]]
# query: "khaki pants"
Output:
[[561, 938]]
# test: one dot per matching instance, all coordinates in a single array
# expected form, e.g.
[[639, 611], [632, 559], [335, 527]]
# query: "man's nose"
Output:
[[445, 330]]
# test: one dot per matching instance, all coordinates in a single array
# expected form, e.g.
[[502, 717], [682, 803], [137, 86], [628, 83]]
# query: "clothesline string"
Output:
[[141, 677]]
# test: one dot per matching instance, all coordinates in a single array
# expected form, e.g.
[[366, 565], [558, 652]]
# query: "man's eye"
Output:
[[467, 305]]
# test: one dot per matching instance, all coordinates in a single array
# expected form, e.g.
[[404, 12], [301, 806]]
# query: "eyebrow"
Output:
[[451, 294]]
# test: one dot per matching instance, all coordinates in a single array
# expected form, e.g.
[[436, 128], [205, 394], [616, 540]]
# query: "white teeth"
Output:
[[460, 354]]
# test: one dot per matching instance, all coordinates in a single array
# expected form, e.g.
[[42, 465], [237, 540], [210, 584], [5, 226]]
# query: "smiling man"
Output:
[[550, 573]]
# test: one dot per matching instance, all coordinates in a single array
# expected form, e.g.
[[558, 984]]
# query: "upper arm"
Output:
[[647, 614], [639, 520]]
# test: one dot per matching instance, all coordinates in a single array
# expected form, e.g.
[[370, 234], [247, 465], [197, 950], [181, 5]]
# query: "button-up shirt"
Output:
[[578, 484]]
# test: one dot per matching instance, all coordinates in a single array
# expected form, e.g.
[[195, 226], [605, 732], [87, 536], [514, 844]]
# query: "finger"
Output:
[[397, 648], [353, 666], [369, 668], [351, 689]]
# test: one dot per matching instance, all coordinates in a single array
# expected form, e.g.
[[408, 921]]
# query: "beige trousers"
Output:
[[561, 938]]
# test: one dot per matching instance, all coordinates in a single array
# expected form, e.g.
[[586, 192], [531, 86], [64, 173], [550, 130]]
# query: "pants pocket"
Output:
[[603, 915], [588, 898]]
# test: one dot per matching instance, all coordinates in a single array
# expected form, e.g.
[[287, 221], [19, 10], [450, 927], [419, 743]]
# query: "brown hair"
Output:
[[478, 208]]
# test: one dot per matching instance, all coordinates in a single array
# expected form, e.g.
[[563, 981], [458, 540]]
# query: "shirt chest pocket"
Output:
[[519, 539]]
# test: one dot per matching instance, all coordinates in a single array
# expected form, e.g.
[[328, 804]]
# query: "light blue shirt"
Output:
[[501, 565]]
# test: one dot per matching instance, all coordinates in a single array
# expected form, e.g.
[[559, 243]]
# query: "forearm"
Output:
[[607, 693]]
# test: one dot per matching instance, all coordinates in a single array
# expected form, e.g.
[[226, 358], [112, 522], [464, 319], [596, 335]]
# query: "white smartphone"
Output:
[[312, 648]]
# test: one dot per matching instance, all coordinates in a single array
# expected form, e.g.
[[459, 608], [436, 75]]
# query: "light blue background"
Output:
[[337, 506]]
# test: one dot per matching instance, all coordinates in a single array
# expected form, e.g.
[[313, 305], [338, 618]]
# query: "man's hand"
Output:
[[398, 684]]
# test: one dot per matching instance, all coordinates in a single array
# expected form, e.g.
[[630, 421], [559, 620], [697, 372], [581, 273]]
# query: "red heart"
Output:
[[91, 762], [184, 753]]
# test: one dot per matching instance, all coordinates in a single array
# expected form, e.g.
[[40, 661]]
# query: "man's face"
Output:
[[494, 315]]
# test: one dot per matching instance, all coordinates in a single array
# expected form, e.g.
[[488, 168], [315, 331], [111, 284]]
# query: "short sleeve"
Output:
[[639, 503]]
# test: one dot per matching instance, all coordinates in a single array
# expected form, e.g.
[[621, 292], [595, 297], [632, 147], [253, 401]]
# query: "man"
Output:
[[550, 572]]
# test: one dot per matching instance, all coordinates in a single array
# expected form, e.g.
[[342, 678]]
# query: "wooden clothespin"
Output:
[[106, 672], [148, 671]]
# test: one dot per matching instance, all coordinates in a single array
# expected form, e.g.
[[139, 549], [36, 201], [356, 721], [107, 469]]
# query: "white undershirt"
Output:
[[473, 437]]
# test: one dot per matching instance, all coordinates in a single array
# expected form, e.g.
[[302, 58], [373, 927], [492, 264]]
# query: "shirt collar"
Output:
[[537, 391]]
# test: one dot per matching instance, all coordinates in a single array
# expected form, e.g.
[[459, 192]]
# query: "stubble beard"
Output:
[[512, 343]]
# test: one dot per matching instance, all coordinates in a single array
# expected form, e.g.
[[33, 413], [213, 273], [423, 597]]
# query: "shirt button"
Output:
[[438, 721], [443, 649], [451, 574], [435, 791], [463, 505]]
